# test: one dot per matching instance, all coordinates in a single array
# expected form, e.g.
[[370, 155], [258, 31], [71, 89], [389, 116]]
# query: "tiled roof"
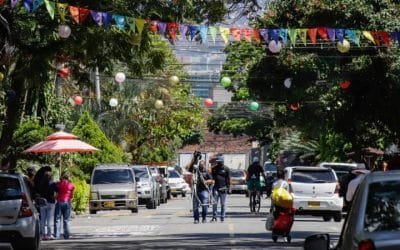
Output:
[[220, 143]]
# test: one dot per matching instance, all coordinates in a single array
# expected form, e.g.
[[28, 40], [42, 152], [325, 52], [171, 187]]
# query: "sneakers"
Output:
[[196, 222], [204, 221], [214, 220], [222, 219]]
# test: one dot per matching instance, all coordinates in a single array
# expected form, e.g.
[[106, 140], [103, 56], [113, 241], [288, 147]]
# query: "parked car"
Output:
[[238, 181], [177, 183], [113, 186], [19, 219], [162, 183], [147, 187], [373, 221], [315, 191], [270, 168]]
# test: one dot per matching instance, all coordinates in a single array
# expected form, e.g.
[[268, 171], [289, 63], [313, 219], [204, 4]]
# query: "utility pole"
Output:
[[97, 84]]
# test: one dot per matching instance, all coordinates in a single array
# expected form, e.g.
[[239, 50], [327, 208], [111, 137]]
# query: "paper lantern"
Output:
[[1, 76], [345, 84], [113, 102], [64, 31], [294, 107], [226, 82], [63, 72], [288, 82], [208, 102], [120, 77], [173, 80], [344, 46], [254, 106], [275, 47], [158, 104], [78, 100]]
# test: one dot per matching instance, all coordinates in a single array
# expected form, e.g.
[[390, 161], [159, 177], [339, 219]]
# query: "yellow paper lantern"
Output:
[[1, 76], [344, 46], [158, 104]]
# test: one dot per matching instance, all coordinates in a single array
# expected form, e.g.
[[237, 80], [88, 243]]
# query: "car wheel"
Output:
[[135, 210], [326, 217], [27, 244], [183, 194], [151, 204], [92, 211], [174, 195], [169, 195], [337, 217]]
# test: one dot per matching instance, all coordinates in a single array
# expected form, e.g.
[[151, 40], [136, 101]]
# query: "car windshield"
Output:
[[174, 174], [237, 174], [383, 207], [313, 176], [270, 167], [10, 188], [108, 176], [141, 173]]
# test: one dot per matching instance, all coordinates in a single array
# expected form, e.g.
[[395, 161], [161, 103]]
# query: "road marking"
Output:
[[113, 231]]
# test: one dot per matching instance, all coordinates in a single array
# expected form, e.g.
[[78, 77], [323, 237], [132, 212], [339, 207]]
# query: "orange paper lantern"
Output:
[[345, 84], [208, 102]]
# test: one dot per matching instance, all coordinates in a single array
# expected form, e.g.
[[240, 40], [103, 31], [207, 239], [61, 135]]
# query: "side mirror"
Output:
[[317, 242]]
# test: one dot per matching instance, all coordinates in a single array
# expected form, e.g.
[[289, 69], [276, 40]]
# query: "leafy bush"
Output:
[[80, 200]]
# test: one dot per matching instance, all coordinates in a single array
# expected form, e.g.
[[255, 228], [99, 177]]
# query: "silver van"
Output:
[[113, 186]]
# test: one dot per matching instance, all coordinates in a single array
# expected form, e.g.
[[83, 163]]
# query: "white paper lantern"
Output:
[[173, 80], [64, 31], [158, 104], [113, 102], [275, 47], [288, 82], [120, 77]]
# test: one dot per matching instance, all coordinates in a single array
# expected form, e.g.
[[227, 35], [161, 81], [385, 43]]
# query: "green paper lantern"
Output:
[[226, 81], [254, 106]]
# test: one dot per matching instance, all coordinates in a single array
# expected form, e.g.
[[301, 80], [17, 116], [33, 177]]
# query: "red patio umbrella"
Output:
[[61, 142]]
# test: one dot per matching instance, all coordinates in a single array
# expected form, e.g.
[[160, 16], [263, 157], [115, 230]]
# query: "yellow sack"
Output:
[[281, 197]]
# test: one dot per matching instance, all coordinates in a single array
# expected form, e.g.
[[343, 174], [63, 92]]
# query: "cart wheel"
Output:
[[289, 238], [275, 238]]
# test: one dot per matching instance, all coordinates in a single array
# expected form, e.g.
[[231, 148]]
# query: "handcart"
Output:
[[283, 224]]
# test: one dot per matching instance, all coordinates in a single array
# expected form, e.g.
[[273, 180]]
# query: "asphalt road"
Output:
[[170, 226]]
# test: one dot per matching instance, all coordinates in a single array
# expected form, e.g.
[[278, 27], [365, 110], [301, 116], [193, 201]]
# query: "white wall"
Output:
[[234, 161]]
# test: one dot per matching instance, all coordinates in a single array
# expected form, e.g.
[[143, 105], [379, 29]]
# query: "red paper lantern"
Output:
[[294, 107], [63, 72], [345, 84], [208, 102], [78, 100]]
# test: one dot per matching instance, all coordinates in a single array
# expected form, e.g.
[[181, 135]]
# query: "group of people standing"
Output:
[[212, 187], [56, 201]]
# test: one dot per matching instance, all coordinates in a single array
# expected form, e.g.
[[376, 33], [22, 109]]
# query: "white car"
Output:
[[315, 191], [177, 184]]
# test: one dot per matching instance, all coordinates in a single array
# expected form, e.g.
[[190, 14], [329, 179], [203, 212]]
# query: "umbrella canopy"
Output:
[[61, 142]]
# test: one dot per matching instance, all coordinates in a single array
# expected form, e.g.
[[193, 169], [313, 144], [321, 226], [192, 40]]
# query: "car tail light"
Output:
[[337, 188], [366, 245], [25, 210]]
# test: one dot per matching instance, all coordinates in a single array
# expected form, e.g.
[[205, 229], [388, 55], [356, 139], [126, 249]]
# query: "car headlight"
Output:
[[131, 195], [94, 195]]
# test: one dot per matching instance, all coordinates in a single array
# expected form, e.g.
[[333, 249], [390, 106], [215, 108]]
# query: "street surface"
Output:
[[170, 226]]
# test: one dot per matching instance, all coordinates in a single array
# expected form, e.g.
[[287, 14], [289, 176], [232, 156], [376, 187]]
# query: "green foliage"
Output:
[[88, 131], [80, 200]]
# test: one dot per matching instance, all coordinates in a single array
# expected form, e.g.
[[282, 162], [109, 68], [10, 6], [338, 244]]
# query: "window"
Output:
[[383, 207], [307, 176], [270, 167], [109, 176], [174, 174], [10, 188], [237, 174], [141, 173]]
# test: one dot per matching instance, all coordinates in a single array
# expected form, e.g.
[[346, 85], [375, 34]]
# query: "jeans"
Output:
[[63, 209], [203, 197], [46, 219], [219, 195]]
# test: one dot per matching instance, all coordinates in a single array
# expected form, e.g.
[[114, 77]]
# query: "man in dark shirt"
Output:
[[222, 180]]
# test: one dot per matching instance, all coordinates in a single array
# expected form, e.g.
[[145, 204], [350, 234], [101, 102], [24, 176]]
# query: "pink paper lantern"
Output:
[[78, 100], [63, 72], [208, 102]]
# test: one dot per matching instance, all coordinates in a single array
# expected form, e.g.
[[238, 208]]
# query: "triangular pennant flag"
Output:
[[183, 28], [224, 34], [303, 35], [83, 14], [97, 17], [274, 34], [256, 35], [203, 33], [36, 4], [312, 33], [27, 4], [235, 32], [351, 35], [153, 26], [130, 21], [13, 3], [139, 25], [382, 36], [162, 28], [264, 34], [396, 37], [283, 33], [376, 38], [119, 21], [193, 31], [74, 13], [246, 33], [369, 36], [213, 32], [322, 33], [50, 6], [340, 34], [172, 30], [106, 19], [62, 11], [331, 34], [357, 37], [293, 36]]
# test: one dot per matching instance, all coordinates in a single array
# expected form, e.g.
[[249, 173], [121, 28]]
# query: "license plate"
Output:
[[313, 204], [109, 204], [173, 189], [234, 182]]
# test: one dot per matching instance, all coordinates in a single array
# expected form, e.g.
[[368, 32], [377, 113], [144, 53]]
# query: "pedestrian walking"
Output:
[[221, 175], [65, 190], [46, 189]]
